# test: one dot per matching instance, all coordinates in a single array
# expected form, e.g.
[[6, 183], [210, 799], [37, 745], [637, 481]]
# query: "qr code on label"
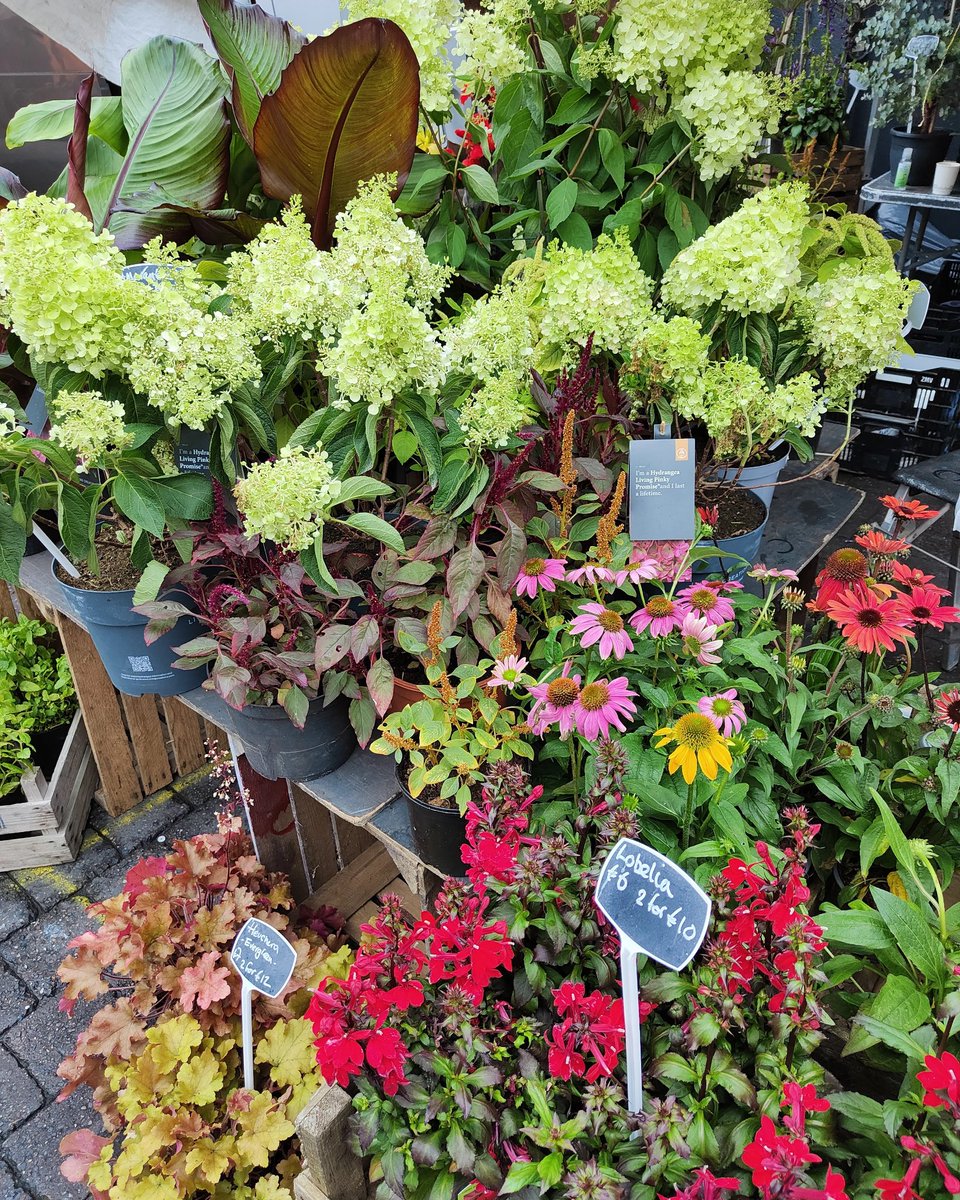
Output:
[[140, 665]]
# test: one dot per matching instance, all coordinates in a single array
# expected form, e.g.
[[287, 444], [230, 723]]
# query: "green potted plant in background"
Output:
[[443, 742], [37, 689], [914, 83]]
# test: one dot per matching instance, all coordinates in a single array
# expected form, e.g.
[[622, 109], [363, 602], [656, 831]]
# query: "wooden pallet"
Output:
[[47, 827]]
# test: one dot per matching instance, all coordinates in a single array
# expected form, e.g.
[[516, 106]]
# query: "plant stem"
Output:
[[688, 815], [923, 666], [590, 136]]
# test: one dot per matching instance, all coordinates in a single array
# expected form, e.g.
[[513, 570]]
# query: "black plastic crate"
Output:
[[904, 418], [945, 285], [940, 334]]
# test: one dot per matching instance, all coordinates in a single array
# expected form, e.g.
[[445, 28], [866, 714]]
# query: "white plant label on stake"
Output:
[[264, 960], [921, 46], [659, 911]]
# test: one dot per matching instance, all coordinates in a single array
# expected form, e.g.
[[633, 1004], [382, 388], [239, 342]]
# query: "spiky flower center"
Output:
[[847, 566], [534, 566], [921, 612], [610, 621], [562, 692], [870, 618], [696, 731], [594, 696], [953, 711], [659, 606], [703, 600], [722, 707]]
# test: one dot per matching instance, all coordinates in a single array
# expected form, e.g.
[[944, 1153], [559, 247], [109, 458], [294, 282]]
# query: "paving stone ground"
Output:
[[40, 911]]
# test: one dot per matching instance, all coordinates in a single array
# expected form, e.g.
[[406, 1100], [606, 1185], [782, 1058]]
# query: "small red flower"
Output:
[[771, 1154], [708, 514], [941, 1081], [875, 542], [908, 510], [946, 709], [910, 576]]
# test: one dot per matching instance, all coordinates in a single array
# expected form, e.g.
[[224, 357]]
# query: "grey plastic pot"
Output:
[[277, 749], [760, 480], [135, 668], [729, 550], [927, 149]]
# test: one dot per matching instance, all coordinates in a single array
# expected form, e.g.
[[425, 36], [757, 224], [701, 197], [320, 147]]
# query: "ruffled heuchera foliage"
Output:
[[186, 1124], [163, 947]]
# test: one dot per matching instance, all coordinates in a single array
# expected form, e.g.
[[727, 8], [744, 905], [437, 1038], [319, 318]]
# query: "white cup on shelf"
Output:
[[944, 178]]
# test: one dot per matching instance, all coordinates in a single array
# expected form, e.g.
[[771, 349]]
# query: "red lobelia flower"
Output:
[[868, 623], [941, 1082], [772, 1155], [921, 606], [908, 510]]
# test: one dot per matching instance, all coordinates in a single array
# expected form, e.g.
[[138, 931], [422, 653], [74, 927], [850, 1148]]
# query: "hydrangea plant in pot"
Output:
[[115, 506], [443, 742]]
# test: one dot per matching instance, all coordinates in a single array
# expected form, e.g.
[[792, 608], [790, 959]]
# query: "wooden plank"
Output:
[[119, 783], [33, 608], [317, 837], [148, 741], [214, 737], [352, 840], [364, 915], [305, 1189], [353, 886], [324, 1129], [186, 735]]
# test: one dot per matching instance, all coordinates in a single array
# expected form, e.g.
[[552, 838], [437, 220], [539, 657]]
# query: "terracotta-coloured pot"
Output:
[[404, 693]]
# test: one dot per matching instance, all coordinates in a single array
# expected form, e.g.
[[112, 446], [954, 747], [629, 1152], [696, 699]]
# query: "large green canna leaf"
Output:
[[254, 47], [53, 119], [345, 110], [176, 116]]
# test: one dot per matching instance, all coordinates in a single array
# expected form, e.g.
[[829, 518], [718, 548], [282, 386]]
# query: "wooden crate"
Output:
[[331, 1170], [47, 827], [140, 743]]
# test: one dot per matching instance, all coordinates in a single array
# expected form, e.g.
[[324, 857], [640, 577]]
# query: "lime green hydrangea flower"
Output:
[[8, 420], [742, 414], [88, 426], [603, 291], [60, 286], [280, 279], [494, 336], [489, 42], [659, 42], [494, 413], [287, 500], [749, 262], [427, 23], [730, 112], [669, 361], [853, 320]]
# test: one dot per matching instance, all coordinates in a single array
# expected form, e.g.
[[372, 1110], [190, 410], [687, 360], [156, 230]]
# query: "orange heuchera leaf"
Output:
[[204, 983], [345, 110], [81, 1147]]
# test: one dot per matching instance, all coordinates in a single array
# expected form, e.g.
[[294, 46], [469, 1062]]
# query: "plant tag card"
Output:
[[263, 958], [653, 903], [922, 46], [662, 478], [658, 910], [192, 452]]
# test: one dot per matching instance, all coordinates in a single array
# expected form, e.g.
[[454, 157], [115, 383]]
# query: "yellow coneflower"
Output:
[[698, 744]]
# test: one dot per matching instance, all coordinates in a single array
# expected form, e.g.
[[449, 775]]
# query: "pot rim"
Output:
[[451, 810]]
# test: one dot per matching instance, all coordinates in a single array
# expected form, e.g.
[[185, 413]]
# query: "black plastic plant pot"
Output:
[[927, 149], [438, 833], [135, 668], [47, 744], [277, 749]]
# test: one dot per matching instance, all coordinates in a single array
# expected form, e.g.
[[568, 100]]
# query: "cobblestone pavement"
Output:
[[41, 909]]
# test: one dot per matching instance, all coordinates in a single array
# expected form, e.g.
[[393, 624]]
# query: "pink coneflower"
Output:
[[910, 576], [725, 711], [506, 672], [590, 573], [921, 606], [946, 709], [555, 703], [700, 639], [660, 615], [706, 602], [764, 573], [599, 624], [868, 623], [637, 571], [539, 573], [602, 704]]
